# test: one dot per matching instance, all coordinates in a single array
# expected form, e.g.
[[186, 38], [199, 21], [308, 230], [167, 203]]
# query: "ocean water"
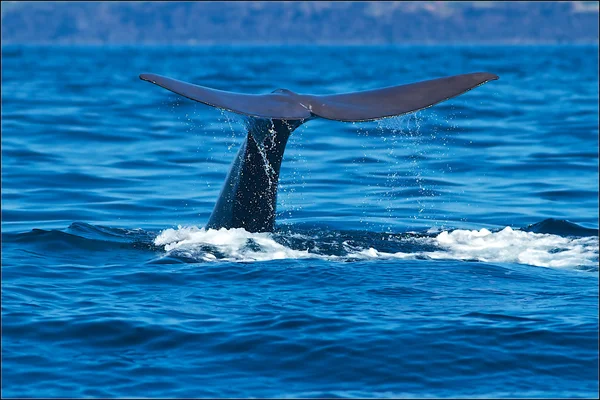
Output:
[[452, 252]]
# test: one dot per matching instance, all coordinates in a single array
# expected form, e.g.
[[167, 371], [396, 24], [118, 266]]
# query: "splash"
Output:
[[519, 247], [504, 246], [405, 132], [226, 244], [232, 119]]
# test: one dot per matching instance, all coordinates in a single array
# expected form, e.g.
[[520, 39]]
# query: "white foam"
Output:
[[233, 244], [505, 246], [513, 246]]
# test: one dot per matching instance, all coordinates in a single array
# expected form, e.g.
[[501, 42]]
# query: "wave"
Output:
[[228, 244], [519, 247], [550, 243], [503, 246]]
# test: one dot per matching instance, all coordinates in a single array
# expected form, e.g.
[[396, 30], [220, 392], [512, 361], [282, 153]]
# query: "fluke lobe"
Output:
[[249, 196]]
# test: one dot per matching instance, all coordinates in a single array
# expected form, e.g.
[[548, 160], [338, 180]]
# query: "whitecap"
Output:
[[504, 246], [516, 246]]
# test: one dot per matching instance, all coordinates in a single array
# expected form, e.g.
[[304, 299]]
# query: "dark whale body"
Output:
[[249, 196]]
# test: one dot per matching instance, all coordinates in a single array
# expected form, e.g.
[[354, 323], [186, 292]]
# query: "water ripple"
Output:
[[449, 253]]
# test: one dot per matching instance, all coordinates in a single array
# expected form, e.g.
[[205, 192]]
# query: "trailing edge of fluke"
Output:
[[249, 196], [348, 107]]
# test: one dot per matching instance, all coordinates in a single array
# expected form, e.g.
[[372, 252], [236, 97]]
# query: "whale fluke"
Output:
[[279, 105], [249, 196], [348, 107], [394, 100]]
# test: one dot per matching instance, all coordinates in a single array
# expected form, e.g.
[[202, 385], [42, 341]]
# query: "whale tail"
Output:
[[249, 196], [367, 105]]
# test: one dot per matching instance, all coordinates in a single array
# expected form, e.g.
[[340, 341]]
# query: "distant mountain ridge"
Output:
[[299, 22]]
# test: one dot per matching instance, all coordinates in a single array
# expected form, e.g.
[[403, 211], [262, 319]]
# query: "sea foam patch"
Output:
[[515, 246], [226, 244], [505, 246]]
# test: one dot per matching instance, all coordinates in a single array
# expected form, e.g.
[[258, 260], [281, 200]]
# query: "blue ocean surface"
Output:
[[452, 252]]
